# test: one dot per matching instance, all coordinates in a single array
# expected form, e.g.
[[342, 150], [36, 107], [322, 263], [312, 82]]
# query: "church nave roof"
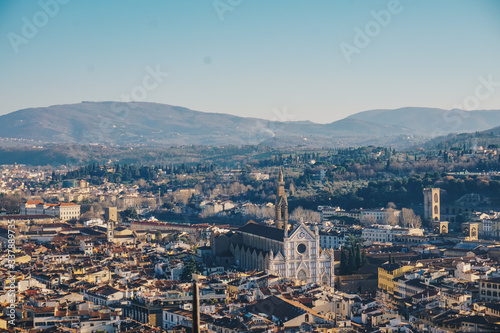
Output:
[[257, 229]]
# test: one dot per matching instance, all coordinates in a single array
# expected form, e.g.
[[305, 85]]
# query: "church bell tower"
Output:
[[281, 220], [110, 231]]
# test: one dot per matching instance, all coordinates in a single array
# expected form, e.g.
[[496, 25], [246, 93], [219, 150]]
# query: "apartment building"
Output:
[[65, 211], [387, 233], [489, 290]]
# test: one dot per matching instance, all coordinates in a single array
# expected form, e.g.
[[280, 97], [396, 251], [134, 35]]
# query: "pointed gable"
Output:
[[301, 232], [279, 257], [325, 255]]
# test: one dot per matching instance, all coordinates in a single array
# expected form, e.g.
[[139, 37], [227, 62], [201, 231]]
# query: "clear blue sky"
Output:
[[263, 56]]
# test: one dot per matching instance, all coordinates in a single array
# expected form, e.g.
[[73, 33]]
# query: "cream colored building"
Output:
[[387, 233], [381, 215], [65, 211], [489, 290]]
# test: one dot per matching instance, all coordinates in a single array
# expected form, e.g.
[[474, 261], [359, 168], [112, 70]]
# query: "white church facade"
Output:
[[290, 251], [303, 259]]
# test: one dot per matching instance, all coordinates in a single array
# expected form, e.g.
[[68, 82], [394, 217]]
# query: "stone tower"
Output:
[[440, 227], [432, 204], [470, 231], [281, 219], [111, 231], [111, 213]]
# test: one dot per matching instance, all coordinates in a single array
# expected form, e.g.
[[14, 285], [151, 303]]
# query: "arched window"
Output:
[[302, 276]]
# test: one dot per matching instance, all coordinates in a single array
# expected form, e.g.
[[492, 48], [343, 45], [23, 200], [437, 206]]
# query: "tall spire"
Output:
[[281, 219]]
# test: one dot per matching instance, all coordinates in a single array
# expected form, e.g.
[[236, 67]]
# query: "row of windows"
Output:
[[336, 241], [45, 323], [489, 285], [489, 293]]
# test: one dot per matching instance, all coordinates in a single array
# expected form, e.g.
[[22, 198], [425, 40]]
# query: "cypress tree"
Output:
[[343, 262]]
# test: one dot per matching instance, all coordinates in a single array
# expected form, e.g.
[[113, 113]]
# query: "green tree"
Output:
[[364, 260], [129, 213], [190, 268], [352, 255], [158, 236], [344, 261]]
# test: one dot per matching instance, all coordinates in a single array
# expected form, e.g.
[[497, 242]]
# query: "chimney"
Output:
[[196, 308]]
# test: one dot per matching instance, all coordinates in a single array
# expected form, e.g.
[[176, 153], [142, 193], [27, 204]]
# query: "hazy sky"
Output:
[[319, 60]]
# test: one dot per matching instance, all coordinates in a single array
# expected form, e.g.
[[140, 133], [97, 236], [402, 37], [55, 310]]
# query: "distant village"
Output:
[[92, 258]]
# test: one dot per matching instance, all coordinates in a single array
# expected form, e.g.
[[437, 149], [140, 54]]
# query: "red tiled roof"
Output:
[[33, 202], [38, 202]]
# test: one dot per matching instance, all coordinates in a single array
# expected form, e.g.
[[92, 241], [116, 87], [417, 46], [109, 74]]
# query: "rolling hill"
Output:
[[485, 139], [431, 122], [140, 123]]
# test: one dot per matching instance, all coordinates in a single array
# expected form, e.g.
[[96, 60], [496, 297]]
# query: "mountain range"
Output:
[[141, 123]]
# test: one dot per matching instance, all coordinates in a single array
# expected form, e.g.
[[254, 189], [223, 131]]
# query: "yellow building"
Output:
[[387, 273], [495, 227], [23, 259], [78, 270], [232, 288], [92, 274], [4, 323], [97, 275]]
